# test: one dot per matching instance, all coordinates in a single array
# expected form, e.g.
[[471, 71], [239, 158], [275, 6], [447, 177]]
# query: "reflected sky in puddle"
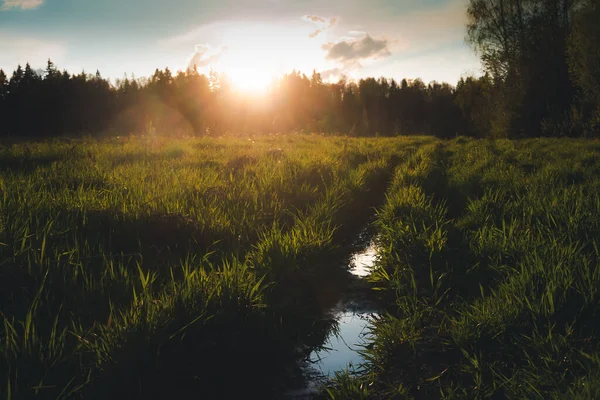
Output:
[[340, 352], [342, 347], [362, 263]]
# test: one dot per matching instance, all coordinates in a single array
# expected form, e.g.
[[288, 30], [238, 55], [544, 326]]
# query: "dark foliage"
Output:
[[540, 58], [193, 104], [542, 61]]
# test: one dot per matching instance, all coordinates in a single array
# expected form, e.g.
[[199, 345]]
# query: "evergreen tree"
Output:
[[3, 84]]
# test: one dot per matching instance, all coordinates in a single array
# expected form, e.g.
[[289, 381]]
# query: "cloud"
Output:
[[321, 23], [205, 56], [314, 18], [354, 50], [22, 4], [357, 33], [333, 73], [350, 52]]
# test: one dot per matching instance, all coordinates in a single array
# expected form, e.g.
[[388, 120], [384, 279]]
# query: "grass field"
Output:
[[489, 257], [165, 268]]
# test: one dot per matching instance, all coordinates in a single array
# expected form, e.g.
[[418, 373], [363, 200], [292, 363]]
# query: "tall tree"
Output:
[[3, 84], [474, 97], [3, 96], [522, 44], [584, 53]]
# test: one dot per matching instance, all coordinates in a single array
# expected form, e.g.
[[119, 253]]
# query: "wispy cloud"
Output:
[[205, 55], [321, 23], [22, 4], [333, 73]]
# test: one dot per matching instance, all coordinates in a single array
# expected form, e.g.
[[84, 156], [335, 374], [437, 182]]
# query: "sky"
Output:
[[249, 40]]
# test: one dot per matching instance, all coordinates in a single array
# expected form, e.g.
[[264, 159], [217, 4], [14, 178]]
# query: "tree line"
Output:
[[51, 102], [541, 60]]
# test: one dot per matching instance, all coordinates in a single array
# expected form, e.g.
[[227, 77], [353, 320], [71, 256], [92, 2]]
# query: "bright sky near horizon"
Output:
[[250, 40]]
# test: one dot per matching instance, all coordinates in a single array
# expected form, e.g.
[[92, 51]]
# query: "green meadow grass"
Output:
[[169, 268], [488, 265], [148, 267]]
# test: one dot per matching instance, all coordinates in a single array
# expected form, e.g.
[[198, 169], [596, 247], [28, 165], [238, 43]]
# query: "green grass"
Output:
[[153, 268], [488, 264], [144, 267]]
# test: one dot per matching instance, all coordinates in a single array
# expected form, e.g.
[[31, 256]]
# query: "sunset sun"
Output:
[[249, 68], [250, 79], [251, 56]]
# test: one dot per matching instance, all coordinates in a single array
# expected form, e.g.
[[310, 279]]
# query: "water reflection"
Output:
[[342, 348], [361, 264], [349, 334]]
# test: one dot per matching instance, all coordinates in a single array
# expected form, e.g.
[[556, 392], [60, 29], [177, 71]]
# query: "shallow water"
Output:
[[341, 350], [342, 347], [362, 262]]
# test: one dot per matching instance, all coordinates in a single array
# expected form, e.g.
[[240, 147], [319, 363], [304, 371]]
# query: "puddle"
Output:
[[342, 347], [341, 350], [362, 263]]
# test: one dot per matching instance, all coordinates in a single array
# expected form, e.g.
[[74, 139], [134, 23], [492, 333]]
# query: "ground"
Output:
[[147, 267]]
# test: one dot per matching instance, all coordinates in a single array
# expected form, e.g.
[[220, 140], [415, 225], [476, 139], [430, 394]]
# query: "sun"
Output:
[[255, 55], [252, 78], [250, 65]]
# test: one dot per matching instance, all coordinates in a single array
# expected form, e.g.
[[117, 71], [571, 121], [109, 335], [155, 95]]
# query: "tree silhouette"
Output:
[[530, 88], [523, 46], [584, 63]]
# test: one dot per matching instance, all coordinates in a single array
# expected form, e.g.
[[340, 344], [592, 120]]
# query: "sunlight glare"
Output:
[[249, 79], [249, 76], [257, 54]]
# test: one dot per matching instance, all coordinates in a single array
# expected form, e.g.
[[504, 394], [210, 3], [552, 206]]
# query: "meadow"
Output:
[[148, 267], [488, 263]]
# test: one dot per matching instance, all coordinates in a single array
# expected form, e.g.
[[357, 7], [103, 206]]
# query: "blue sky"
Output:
[[244, 38]]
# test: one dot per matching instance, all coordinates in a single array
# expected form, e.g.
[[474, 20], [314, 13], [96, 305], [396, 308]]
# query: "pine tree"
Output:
[[16, 78], [29, 76], [3, 83], [51, 72], [3, 94]]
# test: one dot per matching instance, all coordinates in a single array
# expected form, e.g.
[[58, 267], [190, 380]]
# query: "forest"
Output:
[[541, 78]]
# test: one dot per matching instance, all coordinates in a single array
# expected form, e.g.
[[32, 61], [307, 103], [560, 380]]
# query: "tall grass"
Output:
[[146, 268], [142, 268], [489, 255]]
